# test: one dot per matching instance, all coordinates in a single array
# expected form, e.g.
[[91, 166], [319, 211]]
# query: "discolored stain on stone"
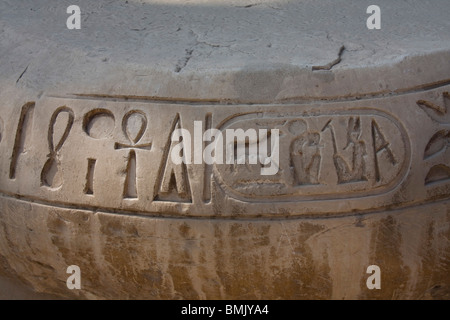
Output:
[[428, 262], [385, 252], [261, 235], [305, 278], [185, 230], [6, 269], [244, 276], [434, 276]]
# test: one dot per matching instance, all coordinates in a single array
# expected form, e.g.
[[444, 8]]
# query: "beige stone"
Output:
[[363, 178]]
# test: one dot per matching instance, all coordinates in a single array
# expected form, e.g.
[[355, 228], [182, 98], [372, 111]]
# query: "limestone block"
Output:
[[358, 157]]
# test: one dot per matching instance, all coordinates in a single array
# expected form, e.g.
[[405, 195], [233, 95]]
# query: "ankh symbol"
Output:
[[134, 125], [50, 175]]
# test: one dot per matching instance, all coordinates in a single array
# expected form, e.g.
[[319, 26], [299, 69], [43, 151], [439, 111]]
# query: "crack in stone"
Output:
[[21, 75], [183, 62], [332, 63], [213, 45], [248, 5], [258, 4]]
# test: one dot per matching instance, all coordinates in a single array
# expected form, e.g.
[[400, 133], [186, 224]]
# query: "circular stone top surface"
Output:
[[241, 51]]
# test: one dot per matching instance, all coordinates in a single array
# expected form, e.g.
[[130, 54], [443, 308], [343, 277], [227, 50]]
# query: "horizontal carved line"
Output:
[[225, 102], [274, 217]]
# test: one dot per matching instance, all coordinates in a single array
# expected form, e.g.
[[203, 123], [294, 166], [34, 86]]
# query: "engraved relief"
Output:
[[438, 143], [23, 128], [331, 155], [208, 168], [134, 125], [89, 187], [381, 145], [438, 173], [172, 183], [437, 151], [1, 129], [99, 123], [430, 105], [58, 128], [353, 169], [305, 153], [437, 110], [328, 155]]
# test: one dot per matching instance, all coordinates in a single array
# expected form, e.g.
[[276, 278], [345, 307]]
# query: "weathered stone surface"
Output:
[[363, 175]]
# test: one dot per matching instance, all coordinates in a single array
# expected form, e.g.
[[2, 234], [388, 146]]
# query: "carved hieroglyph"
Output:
[[114, 154]]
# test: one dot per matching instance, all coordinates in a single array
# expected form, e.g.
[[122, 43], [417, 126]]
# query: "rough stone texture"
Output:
[[364, 170], [11, 289]]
